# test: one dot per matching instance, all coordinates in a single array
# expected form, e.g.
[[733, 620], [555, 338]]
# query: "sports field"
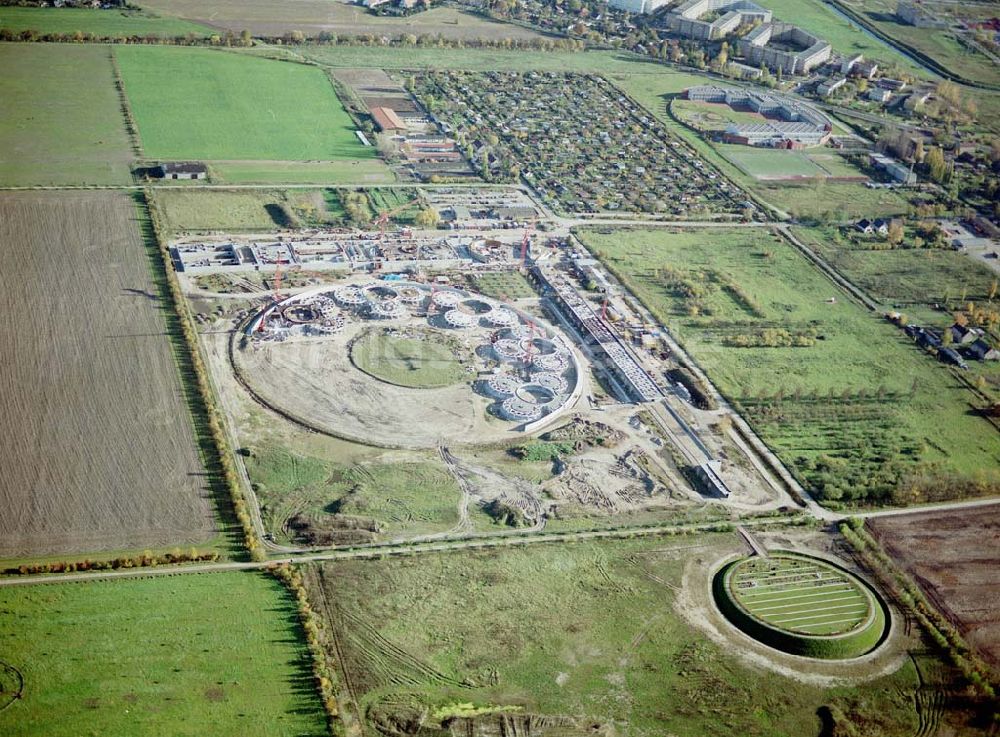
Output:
[[422, 361], [203, 104], [218, 654], [800, 595], [61, 121], [763, 163], [802, 200], [97, 22]]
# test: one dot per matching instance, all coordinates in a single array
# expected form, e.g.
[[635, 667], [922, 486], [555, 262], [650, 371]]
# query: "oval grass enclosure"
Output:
[[802, 605], [417, 359]]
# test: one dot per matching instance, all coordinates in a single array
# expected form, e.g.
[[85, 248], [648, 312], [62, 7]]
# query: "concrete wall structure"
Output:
[[637, 6], [761, 46], [684, 19], [791, 123]]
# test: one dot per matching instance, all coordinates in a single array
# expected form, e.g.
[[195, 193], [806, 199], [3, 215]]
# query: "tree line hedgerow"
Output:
[[145, 559]]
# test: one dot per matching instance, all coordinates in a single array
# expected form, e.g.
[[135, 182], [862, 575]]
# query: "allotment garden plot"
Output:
[[578, 140]]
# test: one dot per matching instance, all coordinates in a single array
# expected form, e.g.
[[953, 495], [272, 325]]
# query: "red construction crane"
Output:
[[529, 351], [383, 218], [525, 242]]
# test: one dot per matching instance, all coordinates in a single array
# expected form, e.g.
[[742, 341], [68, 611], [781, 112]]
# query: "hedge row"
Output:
[[113, 564], [323, 671]]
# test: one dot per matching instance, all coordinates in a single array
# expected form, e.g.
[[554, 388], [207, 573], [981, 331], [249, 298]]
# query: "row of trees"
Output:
[[323, 670], [227, 39], [113, 564]]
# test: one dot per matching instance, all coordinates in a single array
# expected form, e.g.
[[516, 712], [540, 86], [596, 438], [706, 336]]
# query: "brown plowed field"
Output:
[[955, 557], [97, 445]]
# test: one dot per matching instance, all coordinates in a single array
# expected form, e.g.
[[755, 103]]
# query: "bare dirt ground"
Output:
[[315, 382], [955, 558], [266, 17], [98, 448]]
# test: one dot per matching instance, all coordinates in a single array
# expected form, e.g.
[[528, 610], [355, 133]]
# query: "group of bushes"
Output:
[[939, 629], [773, 338], [113, 564]]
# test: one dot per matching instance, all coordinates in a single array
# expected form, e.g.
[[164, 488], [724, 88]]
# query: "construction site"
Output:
[[511, 362]]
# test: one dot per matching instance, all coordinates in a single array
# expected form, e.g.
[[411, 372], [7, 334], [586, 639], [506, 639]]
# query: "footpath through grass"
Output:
[[220, 654], [204, 104], [61, 120], [844, 397]]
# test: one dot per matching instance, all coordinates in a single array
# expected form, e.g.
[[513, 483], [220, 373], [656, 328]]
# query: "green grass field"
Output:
[[763, 163], [860, 405], [799, 595], [362, 171], [193, 208], [423, 360], [220, 654], [585, 633], [939, 44], [501, 284], [708, 116], [474, 60], [203, 104], [62, 123], [408, 495], [389, 200], [903, 277], [97, 22]]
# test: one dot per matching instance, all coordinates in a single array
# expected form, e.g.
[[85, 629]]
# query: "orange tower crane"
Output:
[[383, 218]]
